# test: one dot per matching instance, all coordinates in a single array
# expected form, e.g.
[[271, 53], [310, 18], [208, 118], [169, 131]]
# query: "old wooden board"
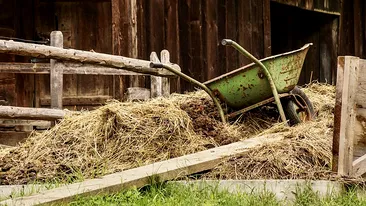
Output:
[[9, 112], [68, 68], [322, 6], [349, 143], [34, 50], [140, 176], [79, 100]]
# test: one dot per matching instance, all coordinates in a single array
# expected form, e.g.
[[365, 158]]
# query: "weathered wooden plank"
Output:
[[257, 28], [135, 81], [357, 25], [34, 50], [8, 94], [323, 6], [165, 170], [79, 100], [232, 55], [165, 58], [196, 48], [118, 48], [345, 114], [24, 27], [160, 86], [56, 76], [137, 93], [68, 68], [185, 45], [245, 28], [359, 166], [156, 86], [173, 37], [9, 112], [95, 37], [361, 88], [327, 49], [267, 28], [359, 142], [211, 38]]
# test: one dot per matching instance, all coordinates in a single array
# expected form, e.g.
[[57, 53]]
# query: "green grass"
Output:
[[176, 195]]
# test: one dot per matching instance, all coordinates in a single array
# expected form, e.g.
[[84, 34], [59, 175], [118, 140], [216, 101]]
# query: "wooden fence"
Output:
[[83, 62], [349, 141]]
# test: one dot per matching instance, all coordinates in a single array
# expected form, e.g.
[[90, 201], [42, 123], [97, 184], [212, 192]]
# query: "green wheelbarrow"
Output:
[[272, 79]]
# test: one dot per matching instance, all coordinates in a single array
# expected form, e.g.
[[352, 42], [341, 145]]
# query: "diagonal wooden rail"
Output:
[[165, 170], [118, 62]]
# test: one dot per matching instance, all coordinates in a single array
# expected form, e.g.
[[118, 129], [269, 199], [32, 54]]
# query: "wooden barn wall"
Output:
[[16, 21], [353, 28], [192, 30], [86, 26]]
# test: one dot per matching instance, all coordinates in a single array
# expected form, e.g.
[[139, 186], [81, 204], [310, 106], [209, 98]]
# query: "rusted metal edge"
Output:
[[306, 46]]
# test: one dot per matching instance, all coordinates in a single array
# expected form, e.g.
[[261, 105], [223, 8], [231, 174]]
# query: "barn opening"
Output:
[[292, 27]]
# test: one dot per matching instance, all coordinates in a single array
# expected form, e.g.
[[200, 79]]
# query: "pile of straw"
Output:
[[120, 136], [306, 151]]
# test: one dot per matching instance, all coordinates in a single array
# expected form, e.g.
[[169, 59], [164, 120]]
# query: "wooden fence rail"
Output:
[[70, 61]]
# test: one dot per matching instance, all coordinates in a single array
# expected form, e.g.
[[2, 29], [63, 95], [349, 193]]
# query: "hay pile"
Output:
[[306, 151], [120, 136]]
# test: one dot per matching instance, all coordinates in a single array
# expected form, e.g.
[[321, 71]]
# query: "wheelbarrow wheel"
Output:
[[295, 113]]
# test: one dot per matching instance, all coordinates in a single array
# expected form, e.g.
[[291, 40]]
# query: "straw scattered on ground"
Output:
[[120, 136], [305, 152]]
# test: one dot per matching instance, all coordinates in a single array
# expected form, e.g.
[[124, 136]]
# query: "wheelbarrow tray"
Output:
[[248, 85]]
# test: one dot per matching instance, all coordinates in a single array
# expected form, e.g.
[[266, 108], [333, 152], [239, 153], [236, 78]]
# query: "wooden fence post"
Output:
[[160, 86], [156, 82], [345, 114], [56, 76], [165, 58]]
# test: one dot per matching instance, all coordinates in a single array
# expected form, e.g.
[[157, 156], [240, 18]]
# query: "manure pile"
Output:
[[120, 136], [306, 152]]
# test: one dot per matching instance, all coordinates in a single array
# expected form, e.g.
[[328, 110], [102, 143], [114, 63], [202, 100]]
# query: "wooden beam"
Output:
[[69, 68], [42, 51], [359, 166], [165, 170], [56, 76], [345, 113], [9, 112], [79, 100]]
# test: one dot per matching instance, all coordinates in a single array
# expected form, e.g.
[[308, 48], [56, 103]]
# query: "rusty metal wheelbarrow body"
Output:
[[256, 84], [248, 85]]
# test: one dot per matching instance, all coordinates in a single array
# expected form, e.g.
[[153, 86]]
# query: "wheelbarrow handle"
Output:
[[229, 42]]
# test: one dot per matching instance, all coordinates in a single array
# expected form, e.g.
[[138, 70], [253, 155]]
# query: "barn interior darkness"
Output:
[[293, 27]]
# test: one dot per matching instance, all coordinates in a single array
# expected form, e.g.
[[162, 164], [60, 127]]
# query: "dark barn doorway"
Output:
[[292, 27]]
